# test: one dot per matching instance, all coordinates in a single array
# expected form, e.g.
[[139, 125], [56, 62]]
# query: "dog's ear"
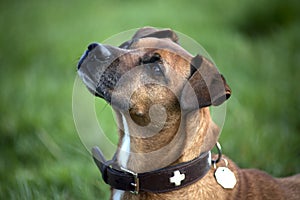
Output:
[[205, 86], [157, 33], [151, 32]]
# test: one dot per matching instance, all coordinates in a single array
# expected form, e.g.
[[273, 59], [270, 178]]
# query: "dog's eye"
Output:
[[155, 58], [154, 64], [156, 70], [151, 59]]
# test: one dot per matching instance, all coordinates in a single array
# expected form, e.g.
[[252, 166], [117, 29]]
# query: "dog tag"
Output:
[[225, 177]]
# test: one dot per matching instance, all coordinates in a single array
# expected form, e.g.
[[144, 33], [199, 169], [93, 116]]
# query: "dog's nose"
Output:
[[101, 53], [92, 46]]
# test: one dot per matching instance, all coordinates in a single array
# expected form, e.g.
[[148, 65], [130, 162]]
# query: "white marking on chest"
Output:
[[117, 194], [125, 145]]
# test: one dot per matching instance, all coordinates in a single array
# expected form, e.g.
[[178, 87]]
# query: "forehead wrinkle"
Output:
[[162, 44]]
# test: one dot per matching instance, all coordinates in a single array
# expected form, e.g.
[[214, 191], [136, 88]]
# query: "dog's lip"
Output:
[[90, 84]]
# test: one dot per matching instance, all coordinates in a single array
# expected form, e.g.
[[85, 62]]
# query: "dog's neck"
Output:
[[180, 139]]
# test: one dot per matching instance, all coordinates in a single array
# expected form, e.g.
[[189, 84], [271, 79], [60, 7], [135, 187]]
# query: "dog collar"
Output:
[[158, 181]]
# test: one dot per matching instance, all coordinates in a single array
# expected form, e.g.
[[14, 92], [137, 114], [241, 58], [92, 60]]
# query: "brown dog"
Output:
[[160, 94]]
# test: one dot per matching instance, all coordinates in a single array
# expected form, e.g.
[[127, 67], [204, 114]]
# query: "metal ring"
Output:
[[219, 149], [226, 162]]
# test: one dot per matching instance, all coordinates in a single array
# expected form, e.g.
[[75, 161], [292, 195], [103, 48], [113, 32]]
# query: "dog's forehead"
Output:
[[162, 45]]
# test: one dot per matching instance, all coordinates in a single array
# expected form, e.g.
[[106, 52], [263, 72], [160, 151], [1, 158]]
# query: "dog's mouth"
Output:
[[108, 81], [98, 69]]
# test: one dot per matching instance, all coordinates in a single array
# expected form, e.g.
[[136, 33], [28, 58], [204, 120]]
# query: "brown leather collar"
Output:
[[162, 180]]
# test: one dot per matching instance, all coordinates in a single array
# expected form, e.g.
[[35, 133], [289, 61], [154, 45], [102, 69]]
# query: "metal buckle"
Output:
[[136, 183]]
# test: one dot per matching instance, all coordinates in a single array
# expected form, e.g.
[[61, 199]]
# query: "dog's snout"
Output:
[[92, 46], [100, 52], [83, 57]]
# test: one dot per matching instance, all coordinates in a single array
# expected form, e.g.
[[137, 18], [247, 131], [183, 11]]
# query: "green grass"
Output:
[[255, 45]]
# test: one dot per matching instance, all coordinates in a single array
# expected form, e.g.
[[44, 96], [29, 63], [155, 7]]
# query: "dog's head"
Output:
[[149, 69], [152, 78]]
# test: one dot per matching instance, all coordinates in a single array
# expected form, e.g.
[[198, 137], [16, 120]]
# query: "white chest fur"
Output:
[[117, 194], [124, 150]]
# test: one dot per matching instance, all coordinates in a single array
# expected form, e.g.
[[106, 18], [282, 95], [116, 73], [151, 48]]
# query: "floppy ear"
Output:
[[205, 86], [157, 33], [151, 32]]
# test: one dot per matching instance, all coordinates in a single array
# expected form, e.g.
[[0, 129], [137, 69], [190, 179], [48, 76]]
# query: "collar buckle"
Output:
[[136, 183]]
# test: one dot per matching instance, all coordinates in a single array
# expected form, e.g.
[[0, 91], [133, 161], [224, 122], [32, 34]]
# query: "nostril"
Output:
[[92, 46], [83, 57], [101, 53]]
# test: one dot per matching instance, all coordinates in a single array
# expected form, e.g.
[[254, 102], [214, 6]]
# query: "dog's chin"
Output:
[[94, 88], [91, 86], [118, 103], [95, 93]]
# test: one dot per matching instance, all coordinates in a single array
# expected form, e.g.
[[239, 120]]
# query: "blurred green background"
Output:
[[255, 44]]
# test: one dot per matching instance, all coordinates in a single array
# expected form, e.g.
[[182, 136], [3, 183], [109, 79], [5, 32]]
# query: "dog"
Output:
[[161, 96]]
